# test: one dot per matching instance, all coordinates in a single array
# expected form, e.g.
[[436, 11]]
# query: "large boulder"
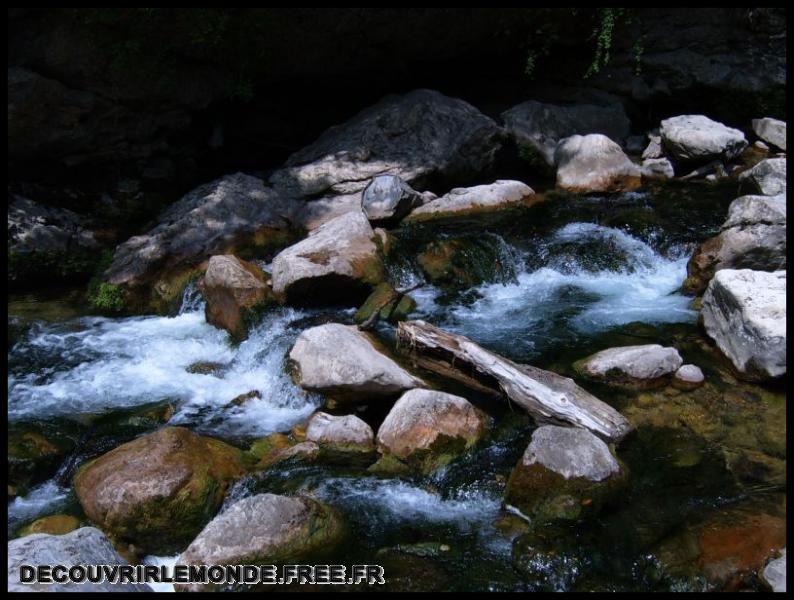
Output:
[[473, 200], [340, 361], [768, 177], [744, 312], [84, 546], [565, 473], [264, 529], [594, 163], [427, 429], [540, 126], [772, 131], [159, 490], [636, 367], [421, 136], [233, 289], [339, 261], [387, 199], [698, 139], [231, 214], [46, 242], [752, 237], [340, 435]]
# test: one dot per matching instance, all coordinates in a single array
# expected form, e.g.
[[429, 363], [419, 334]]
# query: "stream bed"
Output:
[[555, 282]]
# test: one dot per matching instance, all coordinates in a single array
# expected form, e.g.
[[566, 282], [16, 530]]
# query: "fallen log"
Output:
[[546, 396]]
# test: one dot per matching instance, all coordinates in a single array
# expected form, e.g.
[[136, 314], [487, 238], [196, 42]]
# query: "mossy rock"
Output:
[[158, 490], [53, 525], [463, 262], [34, 453], [393, 306], [205, 367]]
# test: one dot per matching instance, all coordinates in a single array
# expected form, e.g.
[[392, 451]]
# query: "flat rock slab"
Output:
[[744, 312], [631, 366], [480, 198], [698, 139], [341, 361], [84, 546]]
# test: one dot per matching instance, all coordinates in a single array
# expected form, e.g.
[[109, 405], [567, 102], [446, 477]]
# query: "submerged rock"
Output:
[[540, 126], [340, 435], [771, 131], [465, 261], [84, 546], [753, 237], [768, 177], [427, 429], [774, 573], [265, 529], [387, 199], [698, 139], [594, 163], [229, 214], [302, 451], [340, 361], [34, 453], [160, 489], [233, 288], [744, 312], [645, 366], [338, 261], [473, 200], [565, 473], [391, 305]]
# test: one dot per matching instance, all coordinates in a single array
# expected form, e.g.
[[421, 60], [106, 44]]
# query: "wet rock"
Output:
[[465, 261], [565, 473], [262, 448], [228, 215], [46, 242], [774, 573], [233, 289], [265, 529], [698, 139], [52, 525], [338, 261], [688, 377], [540, 126], [657, 168], [84, 546], [302, 451], [744, 312], [427, 429], [594, 163], [636, 367], [160, 489], [768, 177], [473, 200], [340, 361], [387, 199], [34, 453], [772, 131], [547, 562], [206, 367], [391, 305], [243, 398], [753, 237], [340, 435], [421, 137]]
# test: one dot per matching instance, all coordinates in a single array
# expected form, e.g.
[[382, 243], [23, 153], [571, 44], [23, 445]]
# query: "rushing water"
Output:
[[575, 274]]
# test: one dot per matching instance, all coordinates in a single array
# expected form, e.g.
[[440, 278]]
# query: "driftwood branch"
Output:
[[543, 394]]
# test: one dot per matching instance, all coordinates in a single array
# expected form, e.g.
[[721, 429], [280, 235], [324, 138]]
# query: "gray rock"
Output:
[[389, 198], [341, 361], [688, 377], [639, 366], [264, 529], [594, 163], [420, 419], [570, 452], [768, 177], [771, 131], [744, 312], [698, 139], [500, 194], [541, 126], [84, 546], [348, 433], [657, 168], [338, 261], [774, 574], [654, 148], [753, 237], [419, 136]]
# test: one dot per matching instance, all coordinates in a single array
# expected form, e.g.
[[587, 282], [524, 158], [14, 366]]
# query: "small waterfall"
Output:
[[192, 299]]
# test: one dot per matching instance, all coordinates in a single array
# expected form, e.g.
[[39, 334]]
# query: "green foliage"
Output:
[[108, 297], [607, 20]]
